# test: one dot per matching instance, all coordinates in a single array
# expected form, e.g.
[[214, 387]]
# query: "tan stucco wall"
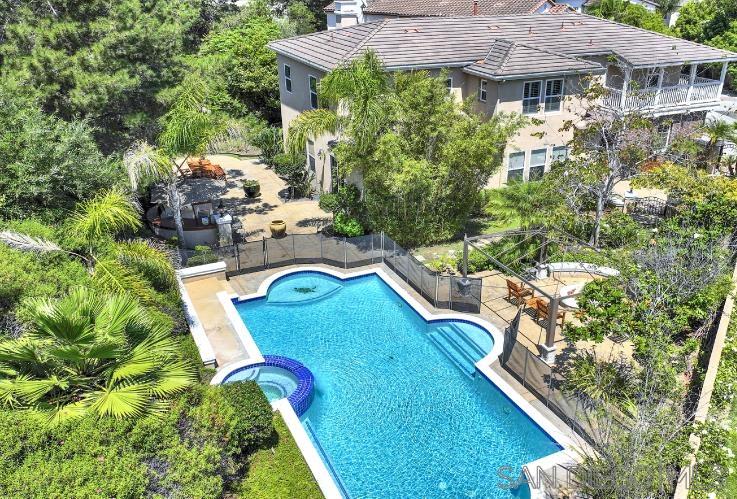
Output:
[[297, 101], [503, 96]]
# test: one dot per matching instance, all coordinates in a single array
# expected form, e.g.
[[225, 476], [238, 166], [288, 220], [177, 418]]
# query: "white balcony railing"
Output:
[[703, 90]]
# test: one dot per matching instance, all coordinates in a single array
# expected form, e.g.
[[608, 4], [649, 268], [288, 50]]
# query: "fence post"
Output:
[[265, 249], [524, 369], [345, 253], [321, 239], [237, 257], [437, 282], [450, 292], [372, 249], [294, 251], [382, 245], [394, 255]]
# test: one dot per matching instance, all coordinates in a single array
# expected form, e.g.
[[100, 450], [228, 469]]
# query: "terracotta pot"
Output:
[[278, 228]]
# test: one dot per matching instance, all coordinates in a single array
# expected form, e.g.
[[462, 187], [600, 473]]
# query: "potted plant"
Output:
[[278, 228], [252, 188]]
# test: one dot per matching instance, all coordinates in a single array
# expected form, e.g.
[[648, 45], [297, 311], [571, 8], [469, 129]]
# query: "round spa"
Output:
[[279, 377]]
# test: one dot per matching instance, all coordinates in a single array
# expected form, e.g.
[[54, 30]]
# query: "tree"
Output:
[[422, 156], [104, 61], [49, 165], [718, 132], [92, 354], [623, 11], [529, 202]]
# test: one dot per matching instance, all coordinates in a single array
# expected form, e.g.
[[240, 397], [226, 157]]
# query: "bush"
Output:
[[477, 262], [237, 415], [618, 229], [202, 256], [292, 168], [271, 143], [344, 225]]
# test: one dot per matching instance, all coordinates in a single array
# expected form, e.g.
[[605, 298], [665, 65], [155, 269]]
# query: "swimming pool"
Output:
[[399, 409]]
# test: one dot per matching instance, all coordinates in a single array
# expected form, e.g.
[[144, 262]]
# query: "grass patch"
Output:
[[279, 471]]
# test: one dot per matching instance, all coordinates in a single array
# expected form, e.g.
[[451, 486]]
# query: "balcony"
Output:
[[683, 95]]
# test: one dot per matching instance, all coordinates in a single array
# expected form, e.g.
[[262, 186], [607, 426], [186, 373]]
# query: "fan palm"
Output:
[[528, 202], [356, 93], [718, 131], [92, 354]]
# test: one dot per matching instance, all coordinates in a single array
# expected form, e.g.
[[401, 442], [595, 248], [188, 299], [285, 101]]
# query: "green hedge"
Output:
[[197, 449]]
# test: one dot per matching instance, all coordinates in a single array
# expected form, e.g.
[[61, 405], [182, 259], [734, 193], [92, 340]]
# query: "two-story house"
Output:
[[533, 64]]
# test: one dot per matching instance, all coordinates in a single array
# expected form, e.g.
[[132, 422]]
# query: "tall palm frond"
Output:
[[107, 214], [149, 261], [113, 277], [527, 201], [24, 242], [146, 164], [310, 124]]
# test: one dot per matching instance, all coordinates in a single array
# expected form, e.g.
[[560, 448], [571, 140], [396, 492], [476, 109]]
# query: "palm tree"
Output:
[[356, 94], [190, 128], [131, 267], [718, 132], [92, 354], [528, 202]]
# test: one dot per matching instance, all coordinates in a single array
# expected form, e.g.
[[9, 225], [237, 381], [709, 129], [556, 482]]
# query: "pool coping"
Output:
[[319, 469]]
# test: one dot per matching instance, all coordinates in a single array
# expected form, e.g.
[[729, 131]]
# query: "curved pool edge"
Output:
[[326, 482]]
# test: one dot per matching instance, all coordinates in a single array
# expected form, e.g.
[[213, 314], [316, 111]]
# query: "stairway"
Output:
[[458, 347]]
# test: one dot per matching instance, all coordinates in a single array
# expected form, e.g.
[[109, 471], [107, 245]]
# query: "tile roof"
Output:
[[408, 8], [425, 42], [509, 59]]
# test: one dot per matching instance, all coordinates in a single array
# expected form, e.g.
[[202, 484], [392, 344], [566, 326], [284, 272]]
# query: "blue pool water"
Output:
[[398, 408]]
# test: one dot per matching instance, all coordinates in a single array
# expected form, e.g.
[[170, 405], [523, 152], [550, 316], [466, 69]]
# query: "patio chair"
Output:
[[519, 292], [543, 312]]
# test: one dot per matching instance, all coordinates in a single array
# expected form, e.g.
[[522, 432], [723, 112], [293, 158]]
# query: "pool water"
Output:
[[398, 410], [275, 382]]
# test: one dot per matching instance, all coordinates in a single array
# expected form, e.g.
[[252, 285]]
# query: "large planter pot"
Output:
[[278, 228], [252, 189]]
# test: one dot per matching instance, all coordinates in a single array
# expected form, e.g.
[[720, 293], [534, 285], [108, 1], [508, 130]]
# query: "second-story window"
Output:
[[531, 97], [553, 95], [482, 90], [313, 92], [287, 78]]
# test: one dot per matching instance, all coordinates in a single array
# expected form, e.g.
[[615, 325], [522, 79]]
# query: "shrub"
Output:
[[202, 256], [348, 226], [237, 415], [292, 168], [270, 142], [618, 229], [477, 262]]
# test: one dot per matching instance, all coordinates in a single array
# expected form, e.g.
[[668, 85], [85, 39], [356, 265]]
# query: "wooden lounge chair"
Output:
[[543, 312], [518, 291]]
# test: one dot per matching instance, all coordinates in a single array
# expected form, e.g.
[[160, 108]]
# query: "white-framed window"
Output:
[[538, 158], [516, 167], [531, 97], [288, 78], [311, 163], [449, 84], [560, 153], [482, 90], [553, 95], [313, 92]]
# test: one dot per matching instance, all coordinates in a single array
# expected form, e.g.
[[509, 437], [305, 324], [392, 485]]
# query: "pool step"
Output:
[[480, 352], [459, 357]]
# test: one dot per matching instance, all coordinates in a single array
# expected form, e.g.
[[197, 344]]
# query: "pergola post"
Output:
[[548, 348]]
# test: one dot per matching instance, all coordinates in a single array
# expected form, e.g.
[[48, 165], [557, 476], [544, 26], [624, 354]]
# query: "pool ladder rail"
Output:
[[458, 347]]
